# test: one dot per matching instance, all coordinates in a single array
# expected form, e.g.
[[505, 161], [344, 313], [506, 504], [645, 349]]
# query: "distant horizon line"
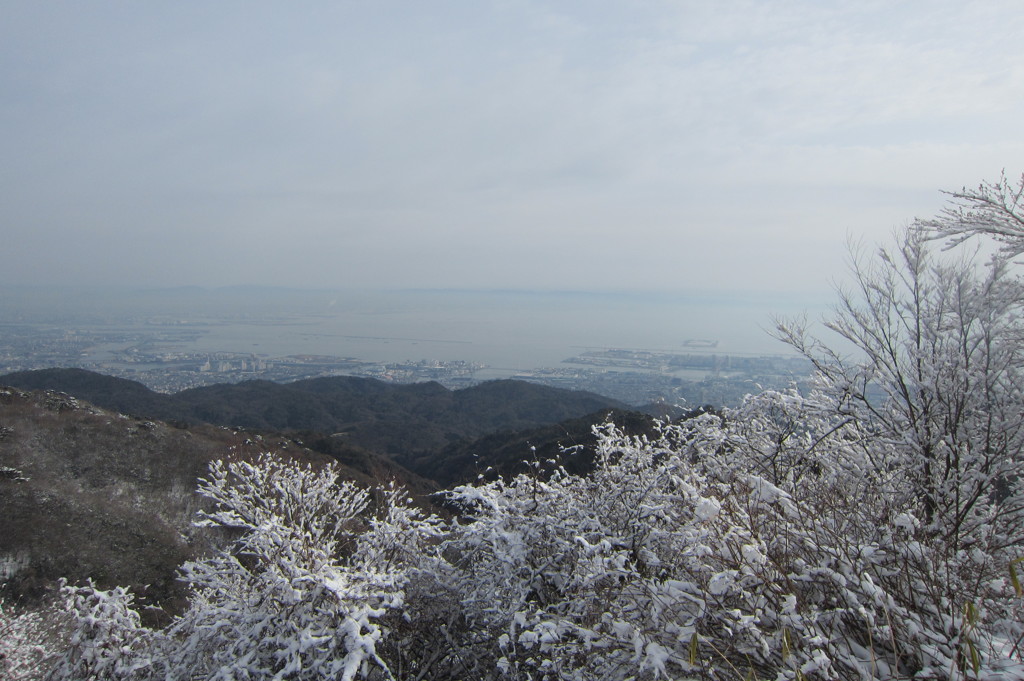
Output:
[[758, 294]]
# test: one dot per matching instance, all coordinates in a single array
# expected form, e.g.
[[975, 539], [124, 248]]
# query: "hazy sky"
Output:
[[507, 144]]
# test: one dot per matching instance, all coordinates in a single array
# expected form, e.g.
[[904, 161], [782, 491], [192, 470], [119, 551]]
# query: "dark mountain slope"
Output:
[[108, 392], [255, 404], [538, 449], [89, 493], [514, 405], [323, 404]]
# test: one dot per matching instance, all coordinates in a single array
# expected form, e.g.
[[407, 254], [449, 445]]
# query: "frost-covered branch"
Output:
[[992, 209]]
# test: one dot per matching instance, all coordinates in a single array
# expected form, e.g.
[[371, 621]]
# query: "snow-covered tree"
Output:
[[934, 396], [937, 377]]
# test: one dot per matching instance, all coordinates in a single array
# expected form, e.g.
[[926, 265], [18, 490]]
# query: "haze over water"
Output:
[[504, 330]]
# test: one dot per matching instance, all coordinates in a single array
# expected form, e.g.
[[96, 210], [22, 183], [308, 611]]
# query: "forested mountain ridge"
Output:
[[396, 420]]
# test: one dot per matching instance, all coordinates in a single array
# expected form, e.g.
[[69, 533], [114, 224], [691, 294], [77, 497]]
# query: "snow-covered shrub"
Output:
[[771, 541], [611, 575], [419, 636], [107, 639], [30, 641], [301, 592], [889, 595], [761, 542], [646, 568], [400, 535]]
